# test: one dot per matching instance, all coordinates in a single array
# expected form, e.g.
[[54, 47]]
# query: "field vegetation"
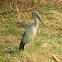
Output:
[[47, 45]]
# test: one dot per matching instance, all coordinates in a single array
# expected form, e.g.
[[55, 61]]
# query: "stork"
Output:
[[30, 32]]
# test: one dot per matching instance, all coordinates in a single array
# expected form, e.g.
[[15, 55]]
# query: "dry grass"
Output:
[[47, 42]]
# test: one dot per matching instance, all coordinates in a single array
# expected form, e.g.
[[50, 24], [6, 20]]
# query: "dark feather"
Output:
[[22, 44]]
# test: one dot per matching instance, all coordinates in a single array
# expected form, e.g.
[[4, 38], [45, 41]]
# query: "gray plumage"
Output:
[[30, 32]]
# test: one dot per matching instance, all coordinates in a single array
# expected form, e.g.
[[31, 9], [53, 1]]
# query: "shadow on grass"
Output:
[[21, 24], [13, 51]]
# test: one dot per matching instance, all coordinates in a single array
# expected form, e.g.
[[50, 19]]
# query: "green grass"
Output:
[[47, 42], [48, 7], [60, 9]]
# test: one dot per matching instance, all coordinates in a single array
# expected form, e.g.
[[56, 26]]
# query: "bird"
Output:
[[31, 30]]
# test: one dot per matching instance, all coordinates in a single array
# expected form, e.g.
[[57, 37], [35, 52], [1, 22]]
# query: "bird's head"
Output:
[[36, 14]]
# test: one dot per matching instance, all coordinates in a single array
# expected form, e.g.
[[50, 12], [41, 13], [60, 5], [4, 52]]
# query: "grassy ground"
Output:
[[48, 41]]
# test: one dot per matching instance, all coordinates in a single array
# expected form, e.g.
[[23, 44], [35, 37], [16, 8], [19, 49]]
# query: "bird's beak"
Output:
[[41, 21]]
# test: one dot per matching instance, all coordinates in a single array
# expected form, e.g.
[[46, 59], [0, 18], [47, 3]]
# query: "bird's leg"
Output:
[[31, 48]]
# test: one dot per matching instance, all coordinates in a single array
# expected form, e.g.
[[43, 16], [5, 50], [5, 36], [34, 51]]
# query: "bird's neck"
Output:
[[36, 22]]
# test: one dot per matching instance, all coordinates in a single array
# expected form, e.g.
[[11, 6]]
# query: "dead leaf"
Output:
[[45, 44], [56, 58]]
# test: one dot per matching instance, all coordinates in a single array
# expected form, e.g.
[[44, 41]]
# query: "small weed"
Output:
[[60, 9], [50, 17], [49, 7], [59, 50], [10, 17], [0, 58]]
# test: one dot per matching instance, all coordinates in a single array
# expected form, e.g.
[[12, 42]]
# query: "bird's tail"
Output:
[[22, 45]]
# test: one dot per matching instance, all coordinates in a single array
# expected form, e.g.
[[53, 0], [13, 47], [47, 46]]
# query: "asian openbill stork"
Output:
[[30, 32]]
